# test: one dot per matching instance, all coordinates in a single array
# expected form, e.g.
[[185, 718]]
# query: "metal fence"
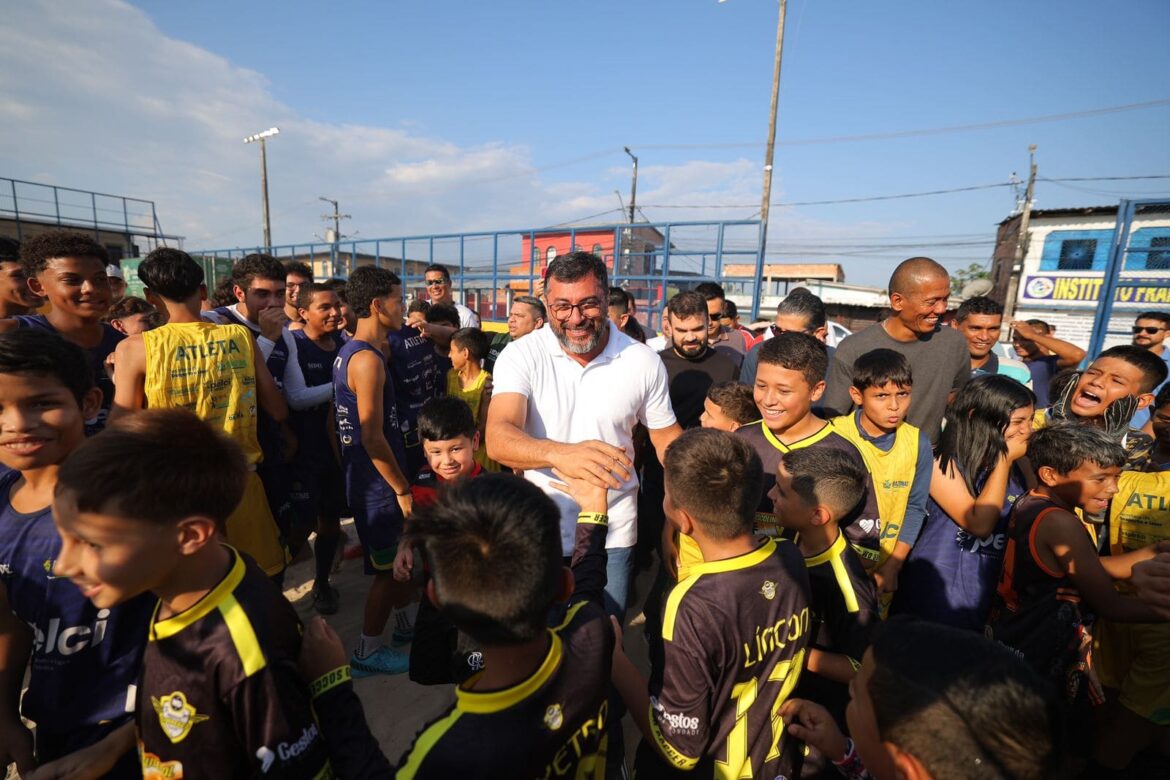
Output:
[[651, 260]]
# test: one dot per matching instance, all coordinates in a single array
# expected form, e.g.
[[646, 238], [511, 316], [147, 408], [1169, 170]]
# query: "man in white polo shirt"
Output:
[[568, 397]]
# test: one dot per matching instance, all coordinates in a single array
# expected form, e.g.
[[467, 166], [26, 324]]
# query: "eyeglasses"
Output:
[[436, 282], [1146, 329], [562, 310]]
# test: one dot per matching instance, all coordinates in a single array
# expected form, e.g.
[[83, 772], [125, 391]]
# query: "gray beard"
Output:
[[580, 349]]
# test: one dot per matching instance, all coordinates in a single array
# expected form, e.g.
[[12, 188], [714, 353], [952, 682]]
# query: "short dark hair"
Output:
[[257, 266], [128, 306], [171, 273], [1161, 399], [730, 310], [297, 267], [711, 291], [979, 304], [879, 367], [802, 303], [619, 299], [717, 478], [443, 313], [474, 340], [1153, 368], [446, 417], [735, 401], [1066, 446], [493, 545], [439, 268], [797, 352], [134, 470], [9, 250], [37, 251], [965, 706], [578, 265], [307, 291], [1041, 324], [366, 283], [224, 293], [534, 302], [418, 305], [684, 305], [1161, 316], [338, 286], [39, 352], [827, 477]]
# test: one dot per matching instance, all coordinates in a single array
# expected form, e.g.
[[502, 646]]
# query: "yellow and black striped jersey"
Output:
[[844, 600], [220, 694], [735, 636], [552, 724]]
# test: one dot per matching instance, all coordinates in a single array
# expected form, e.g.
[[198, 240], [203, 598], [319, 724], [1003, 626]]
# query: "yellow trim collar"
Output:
[[163, 629], [807, 441], [835, 550], [745, 561], [497, 701]]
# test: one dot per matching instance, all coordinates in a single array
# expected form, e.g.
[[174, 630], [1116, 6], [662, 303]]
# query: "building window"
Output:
[[550, 254], [1077, 254], [1158, 258], [535, 253]]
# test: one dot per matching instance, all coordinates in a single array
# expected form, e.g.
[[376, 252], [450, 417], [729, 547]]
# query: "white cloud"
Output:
[[150, 116]]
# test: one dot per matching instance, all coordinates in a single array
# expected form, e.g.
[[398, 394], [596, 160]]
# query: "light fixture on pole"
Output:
[[633, 184], [264, 178]]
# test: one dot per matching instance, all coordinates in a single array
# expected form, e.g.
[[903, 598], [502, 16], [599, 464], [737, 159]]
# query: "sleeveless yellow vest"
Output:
[[1139, 514], [892, 473], [207, 369]]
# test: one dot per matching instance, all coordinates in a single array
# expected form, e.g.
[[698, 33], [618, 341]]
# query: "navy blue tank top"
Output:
[[97, 364], [311, 425], [417, 376], [364, 486], [950, 575]]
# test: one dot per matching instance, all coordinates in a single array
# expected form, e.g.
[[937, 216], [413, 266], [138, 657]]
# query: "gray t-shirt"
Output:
[[939, 363]]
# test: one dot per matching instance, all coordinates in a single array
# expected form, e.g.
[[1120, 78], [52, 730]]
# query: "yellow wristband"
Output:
[[329, 681], [596, 518]]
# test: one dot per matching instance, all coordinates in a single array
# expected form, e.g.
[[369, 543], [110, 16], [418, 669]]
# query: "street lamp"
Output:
[[264, 178], [633, 184]]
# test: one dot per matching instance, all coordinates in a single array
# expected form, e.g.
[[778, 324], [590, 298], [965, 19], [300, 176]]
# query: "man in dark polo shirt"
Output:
[[691, 363]]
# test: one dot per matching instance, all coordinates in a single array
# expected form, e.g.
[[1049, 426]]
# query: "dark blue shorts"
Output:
[[379, 528]]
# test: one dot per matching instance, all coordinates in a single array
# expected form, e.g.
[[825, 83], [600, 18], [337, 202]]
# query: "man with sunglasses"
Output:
[[438, 282], [801, 311], [567, 397], [1149, 331]]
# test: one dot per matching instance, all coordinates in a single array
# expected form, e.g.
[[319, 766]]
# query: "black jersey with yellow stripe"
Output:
[[862, 525], [735, 635], [844, 601], [220, 694], [554, 722]]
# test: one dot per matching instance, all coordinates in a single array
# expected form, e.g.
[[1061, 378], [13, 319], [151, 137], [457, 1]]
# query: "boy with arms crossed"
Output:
[[84, 660], [735, 632]]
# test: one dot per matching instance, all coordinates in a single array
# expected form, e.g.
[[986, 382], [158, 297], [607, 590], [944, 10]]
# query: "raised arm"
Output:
[[1067, 355]]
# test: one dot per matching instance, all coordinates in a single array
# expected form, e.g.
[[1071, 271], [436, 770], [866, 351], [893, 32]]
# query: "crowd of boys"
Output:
[[166, 457]]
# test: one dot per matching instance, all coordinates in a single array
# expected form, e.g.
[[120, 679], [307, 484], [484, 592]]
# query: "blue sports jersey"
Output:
[[85, 661], [950, 575], [311, 426], [364, 486], [279, 356], [97, 364], [417, 377]]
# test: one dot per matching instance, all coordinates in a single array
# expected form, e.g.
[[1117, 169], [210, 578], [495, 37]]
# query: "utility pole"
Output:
[[261, 137], [768, 155], [633, 184], [1009, 302], [334, 235]]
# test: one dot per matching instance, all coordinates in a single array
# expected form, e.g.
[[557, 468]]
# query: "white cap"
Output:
[[114, 272]]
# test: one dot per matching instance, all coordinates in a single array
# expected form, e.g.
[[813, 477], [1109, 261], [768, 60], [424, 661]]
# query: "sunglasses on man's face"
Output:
[[1146, 329], [436, 282]]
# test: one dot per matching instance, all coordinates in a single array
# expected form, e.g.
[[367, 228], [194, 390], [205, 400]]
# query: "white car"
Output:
[[837, 333]]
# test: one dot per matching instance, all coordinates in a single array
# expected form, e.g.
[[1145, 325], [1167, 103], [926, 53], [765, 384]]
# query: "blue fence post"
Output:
[[1104, 313], [757, 291], [496, 273]]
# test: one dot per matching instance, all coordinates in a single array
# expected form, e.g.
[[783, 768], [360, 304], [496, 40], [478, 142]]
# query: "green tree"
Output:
[[970, 273]]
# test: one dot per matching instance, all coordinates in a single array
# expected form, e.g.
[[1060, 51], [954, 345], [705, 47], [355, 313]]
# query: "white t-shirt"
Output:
[[467, 318], [570, 403]]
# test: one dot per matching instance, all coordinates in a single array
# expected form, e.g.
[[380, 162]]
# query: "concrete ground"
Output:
[[397, 708]]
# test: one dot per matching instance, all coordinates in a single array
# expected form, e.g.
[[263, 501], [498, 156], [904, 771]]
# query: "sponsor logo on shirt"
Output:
[[70, 639], [768, 590], [895, 484], [154, 768], [266, 757], [675, 722], [475, 660], [176, 716], [554, 717], [287, 751], [5, 570], [973, 544]]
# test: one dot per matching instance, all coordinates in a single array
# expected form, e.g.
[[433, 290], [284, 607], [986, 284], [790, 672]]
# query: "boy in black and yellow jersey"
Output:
[[735, 632], [789, 380], [898, 455], [492, 547], [814, 489], [220, 695], [213, 370]]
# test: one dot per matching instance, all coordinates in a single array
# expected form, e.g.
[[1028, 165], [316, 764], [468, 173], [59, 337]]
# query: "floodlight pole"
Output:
[[261, 137]]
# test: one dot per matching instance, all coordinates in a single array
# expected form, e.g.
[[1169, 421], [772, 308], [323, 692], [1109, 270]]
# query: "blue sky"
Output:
[[449, 116]]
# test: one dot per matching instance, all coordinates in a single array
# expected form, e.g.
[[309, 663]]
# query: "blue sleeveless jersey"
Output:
[[950, 575], [417, 376], [279, 357], [97, 364], [364, 486], [85, 661], [311, 426]]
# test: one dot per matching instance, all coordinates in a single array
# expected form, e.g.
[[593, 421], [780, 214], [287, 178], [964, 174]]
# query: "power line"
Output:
[[866, 199]]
